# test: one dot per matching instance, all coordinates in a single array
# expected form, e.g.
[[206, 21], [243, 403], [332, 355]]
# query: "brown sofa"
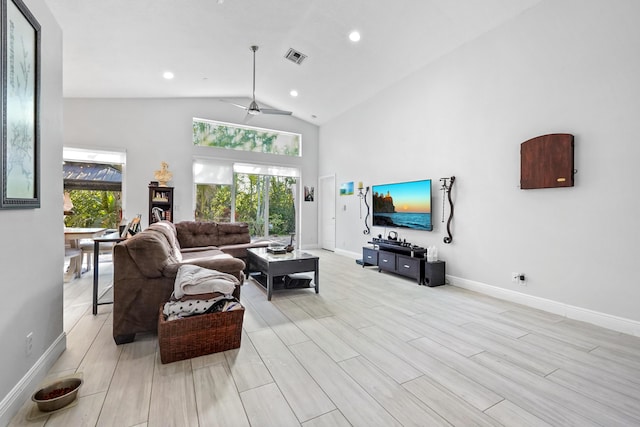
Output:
[[145, 268], [232, 238]]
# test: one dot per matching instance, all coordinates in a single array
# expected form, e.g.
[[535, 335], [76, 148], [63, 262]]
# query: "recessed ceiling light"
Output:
[[293, 93], [168, 75], [354, 36]]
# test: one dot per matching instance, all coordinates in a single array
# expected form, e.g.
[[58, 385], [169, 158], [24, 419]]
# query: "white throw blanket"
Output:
[[194, 280]]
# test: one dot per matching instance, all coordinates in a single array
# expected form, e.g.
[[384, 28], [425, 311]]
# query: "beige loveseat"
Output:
[[145, 267]]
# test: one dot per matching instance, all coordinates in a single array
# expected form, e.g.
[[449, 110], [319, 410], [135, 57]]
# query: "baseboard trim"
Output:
[[22, 391], [605, 320]]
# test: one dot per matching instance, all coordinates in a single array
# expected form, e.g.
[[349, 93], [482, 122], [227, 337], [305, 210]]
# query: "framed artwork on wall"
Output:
[[346, 188], [20, 107], [308, 193]]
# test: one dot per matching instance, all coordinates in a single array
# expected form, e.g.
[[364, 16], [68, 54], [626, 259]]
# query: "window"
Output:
[[263, 196], [213, 190], [213, 202], [93, 183], [210, 133]]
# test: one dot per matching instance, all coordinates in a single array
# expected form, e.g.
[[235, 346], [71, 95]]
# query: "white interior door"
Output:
[[327, 211]]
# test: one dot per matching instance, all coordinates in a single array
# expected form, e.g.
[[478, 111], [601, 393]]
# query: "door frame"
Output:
[[327, 195]]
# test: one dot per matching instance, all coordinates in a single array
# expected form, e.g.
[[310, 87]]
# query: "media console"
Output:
[[405, 259]]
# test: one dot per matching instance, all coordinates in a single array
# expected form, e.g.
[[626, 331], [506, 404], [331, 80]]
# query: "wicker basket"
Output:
[[199, 335]]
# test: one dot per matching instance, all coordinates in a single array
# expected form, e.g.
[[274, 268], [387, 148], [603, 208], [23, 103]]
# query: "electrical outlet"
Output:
[[29, 343], [521, 279], [515, 277]]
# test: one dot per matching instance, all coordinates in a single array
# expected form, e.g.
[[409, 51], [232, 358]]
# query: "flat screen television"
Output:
[[403, 205]]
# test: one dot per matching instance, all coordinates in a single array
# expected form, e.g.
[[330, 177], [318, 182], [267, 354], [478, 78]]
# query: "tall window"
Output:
[[265, 197], [210, 133], [267, 203]]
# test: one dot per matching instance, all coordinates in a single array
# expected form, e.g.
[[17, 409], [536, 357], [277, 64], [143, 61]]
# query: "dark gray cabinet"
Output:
[[398, 260]]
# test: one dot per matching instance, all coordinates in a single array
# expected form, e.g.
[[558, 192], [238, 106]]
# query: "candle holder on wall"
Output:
[[447, 184], [362, 194]]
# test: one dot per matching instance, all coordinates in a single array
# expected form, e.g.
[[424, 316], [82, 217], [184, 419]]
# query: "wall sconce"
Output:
[[447, 185], [362, 194]]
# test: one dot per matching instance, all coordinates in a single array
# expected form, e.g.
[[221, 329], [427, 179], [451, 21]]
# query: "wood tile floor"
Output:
[[372, 349]]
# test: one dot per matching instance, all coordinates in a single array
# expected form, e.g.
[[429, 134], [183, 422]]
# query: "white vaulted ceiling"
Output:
[[120, 48]]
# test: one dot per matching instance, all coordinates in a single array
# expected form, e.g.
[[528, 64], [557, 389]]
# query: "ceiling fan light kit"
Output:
[[254, 109]]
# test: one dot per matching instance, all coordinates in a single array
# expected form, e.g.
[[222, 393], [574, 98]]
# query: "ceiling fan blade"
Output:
[[274, 111], [234, 104], [247, 118]]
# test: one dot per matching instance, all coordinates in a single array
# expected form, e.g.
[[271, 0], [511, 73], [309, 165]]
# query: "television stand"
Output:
[[405, 259]]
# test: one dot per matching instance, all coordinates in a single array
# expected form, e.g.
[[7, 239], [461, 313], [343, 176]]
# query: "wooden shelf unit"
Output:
[[162, 198]]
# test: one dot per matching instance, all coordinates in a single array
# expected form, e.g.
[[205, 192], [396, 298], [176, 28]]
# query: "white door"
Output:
[[327, 210]]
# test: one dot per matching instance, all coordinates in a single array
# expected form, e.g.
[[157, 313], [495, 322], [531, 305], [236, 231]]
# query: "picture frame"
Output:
[[19, 107], [308, 193], [346, 188]]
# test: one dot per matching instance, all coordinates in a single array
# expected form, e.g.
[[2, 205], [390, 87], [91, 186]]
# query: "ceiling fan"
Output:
[[253, 109]]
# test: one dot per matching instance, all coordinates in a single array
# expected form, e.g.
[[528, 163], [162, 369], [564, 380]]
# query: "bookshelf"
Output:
[[161, 198]]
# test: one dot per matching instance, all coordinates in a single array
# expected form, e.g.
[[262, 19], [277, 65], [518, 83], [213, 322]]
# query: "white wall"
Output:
[[156, 130], [564, 66], [32, 250]]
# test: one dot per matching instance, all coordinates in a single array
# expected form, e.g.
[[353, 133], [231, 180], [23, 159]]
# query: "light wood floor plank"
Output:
[[350, 317], [595, 411], [626, 358], [404, 406], [513, 350], [252, 320], [217, 400], [332, 419], [356, 404], [462, 346], [294, 381], [173, 400], [246, 366], [510, 414], [127, 401], [288, 332], [449, 406], [588, 365], [472, 392], [207, 359], [266, 406], [521, 394], [317, 307], [335, 347], [79, 339], [597, 391], [99, 363], [394, 366], [84, 414]]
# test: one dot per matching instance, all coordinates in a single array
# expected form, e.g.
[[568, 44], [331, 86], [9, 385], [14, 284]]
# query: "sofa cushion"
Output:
[[151, 252], [233, 233], [192, 234], [168, 230], [197, 233], [213, 259]]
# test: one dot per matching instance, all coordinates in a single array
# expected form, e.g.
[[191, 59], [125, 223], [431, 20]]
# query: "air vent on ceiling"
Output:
[[295, 56]]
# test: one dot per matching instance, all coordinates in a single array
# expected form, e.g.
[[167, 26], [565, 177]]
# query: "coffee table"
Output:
[[275, 265]]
